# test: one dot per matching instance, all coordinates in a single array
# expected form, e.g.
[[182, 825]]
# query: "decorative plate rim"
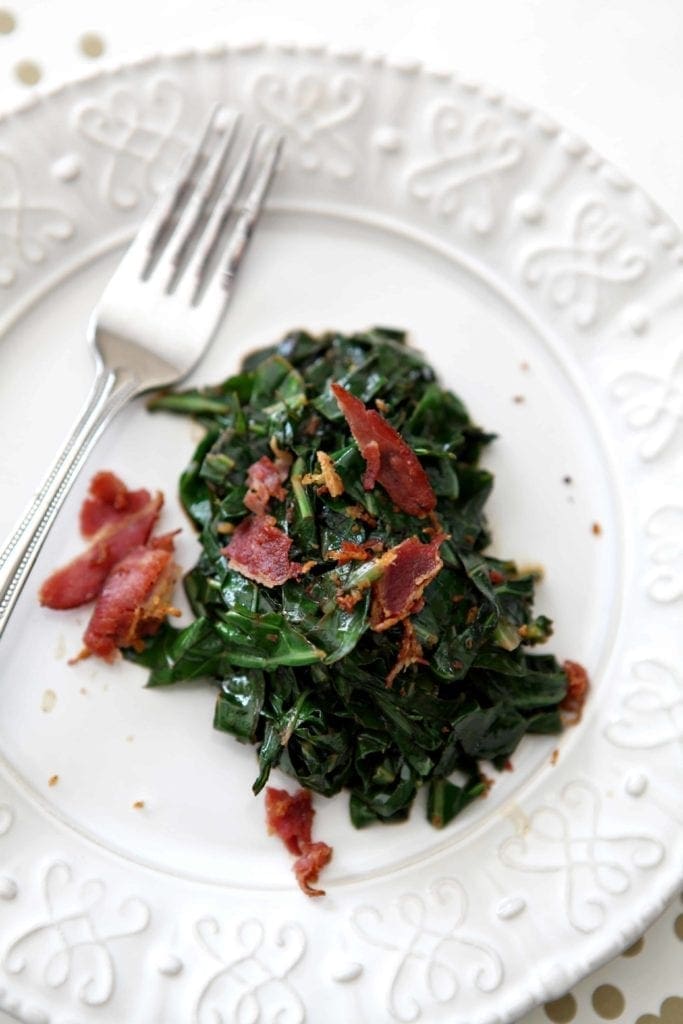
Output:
[[654, 218]]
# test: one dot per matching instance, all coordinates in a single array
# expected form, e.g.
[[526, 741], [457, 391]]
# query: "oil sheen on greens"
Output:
[[303, 679]]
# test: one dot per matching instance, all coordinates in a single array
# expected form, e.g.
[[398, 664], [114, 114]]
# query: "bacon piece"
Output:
[[290, 816], [350, 552], [328, 477], [358, 512], [83, 578], [308, 866], [577, 691], [390, 461], [109, 501], [410, 652], [135, 599], [264, 480], [260, 551], [398, 592]]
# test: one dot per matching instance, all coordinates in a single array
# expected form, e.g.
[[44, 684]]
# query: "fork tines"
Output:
[[196, 235]]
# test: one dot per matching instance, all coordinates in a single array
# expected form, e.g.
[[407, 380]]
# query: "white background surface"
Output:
[[609, 69]]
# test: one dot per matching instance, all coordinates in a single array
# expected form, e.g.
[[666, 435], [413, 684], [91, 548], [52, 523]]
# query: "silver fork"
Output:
[[159, 311]]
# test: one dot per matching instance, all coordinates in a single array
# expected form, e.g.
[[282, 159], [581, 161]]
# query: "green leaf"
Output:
[[239, 704], [263, 641]]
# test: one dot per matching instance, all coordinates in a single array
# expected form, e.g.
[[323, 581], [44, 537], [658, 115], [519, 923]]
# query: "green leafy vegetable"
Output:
[[300, 671]]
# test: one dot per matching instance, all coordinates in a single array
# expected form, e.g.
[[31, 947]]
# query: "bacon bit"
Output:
[[577, 691], [138, 805], [260, 551], [496, 577], [358, 512], [83, 578], [331, 479], [347, 602], [398, 592], [308, 866], [350, 552], [596, 529], [390, 461], [328, 478], [435, 525], [264, 481], [53, 780], [373, 465], [410, 652], [508, 766], [109, 501], [291, 817], [134, 600], [383, 406], [281, 454], [312, 424]]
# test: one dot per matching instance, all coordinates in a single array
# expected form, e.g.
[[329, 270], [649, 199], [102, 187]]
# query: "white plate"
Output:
[[525, 267]]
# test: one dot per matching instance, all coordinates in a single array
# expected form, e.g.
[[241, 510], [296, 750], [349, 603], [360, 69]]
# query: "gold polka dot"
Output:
[[608, 1002], [636, 948], [28, 72], [678, 927], [671, 1012], [561, 1011], [91, 45], [7, 22]]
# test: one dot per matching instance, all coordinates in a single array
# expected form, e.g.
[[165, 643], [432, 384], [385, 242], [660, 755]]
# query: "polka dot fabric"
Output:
[[642, 986]]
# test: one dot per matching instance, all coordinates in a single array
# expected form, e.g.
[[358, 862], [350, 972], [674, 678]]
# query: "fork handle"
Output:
[[110, 391]]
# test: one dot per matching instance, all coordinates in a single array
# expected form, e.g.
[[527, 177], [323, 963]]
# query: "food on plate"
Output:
[[115, 521], [346, 607], [129, 573], [290, 816]]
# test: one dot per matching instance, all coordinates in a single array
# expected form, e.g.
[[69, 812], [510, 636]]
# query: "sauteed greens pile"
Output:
[[300, 671]]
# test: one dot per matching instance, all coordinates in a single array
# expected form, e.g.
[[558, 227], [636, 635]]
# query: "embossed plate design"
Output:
[[547, 291]]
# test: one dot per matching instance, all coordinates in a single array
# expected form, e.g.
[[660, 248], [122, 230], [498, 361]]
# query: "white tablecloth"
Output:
[[610, 70]]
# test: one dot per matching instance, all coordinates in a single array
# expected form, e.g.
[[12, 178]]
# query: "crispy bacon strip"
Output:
[[83, 578], [577, 691], [260, 551], [264, 481], [290, 816], [109, 501], [390, 461], [134, 601], [398, 592]]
